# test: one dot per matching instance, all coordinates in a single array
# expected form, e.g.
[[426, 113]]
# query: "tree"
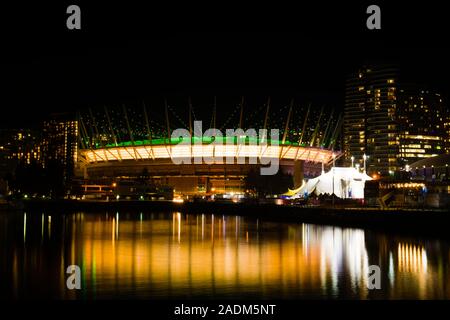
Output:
[[268, 184]]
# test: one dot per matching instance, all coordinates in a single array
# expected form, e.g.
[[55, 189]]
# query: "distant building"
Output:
[[18, 146], [421, 116], [447, 130], [392, 123], [60, 142]]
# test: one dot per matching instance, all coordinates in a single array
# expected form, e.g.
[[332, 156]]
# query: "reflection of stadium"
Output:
[[136, 150], [199, 253]]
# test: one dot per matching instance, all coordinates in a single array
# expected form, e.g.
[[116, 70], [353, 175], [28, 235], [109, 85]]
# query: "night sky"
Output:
[[129, 54]]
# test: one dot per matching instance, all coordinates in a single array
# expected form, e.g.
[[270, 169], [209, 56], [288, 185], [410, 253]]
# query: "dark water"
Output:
[[173, 255]]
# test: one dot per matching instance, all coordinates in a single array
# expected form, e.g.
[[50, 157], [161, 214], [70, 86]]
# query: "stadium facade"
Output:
[[305, 145]]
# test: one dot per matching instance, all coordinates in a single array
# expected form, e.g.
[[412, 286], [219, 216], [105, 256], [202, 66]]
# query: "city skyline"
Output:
[[96, 126]]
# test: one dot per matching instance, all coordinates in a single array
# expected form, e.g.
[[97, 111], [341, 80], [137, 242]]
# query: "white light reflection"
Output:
[[339, 249], [196, 227], [140, 224], [179, 226], [391, 269], [117, 225], [223, 227], [356, 256], [42, 227], [49, 226], [305, 238], [24, 227], [113, 231], [203, 227], [212, 227]]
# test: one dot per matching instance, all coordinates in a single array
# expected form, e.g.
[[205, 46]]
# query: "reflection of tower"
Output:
[[379, 252], [340, 250], [412, 258]]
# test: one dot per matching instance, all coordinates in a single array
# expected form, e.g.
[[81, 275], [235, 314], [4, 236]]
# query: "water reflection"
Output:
[[156, 255]]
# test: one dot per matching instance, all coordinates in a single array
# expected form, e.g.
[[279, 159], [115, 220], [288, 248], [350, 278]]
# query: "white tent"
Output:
[[348, 183]]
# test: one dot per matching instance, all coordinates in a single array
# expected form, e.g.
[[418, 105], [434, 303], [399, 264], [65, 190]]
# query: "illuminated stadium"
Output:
[[143, 147]]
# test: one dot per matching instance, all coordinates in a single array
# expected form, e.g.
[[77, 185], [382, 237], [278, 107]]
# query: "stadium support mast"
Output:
[[110, 126], [147, 124], [191, 138], [130, 133], [325, 134], [190, 116], [300, 140], [166, 107], [149, 131], [83, 129], [128, 124], [94, 124], [316, 129], [80, 136], [241, 118], [266, 118], [335, 132], [214, 113], [286, 128]]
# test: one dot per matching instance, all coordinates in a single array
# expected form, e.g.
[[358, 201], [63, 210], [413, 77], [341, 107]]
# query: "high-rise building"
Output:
[[369, 119], [60, 142], [421, 116], [393, 124], [447, 130]]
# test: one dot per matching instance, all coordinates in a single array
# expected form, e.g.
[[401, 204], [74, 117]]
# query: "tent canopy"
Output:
[[342, 182]]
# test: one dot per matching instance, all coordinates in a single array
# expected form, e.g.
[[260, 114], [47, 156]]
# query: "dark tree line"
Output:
[[263, 185], [34, 179]]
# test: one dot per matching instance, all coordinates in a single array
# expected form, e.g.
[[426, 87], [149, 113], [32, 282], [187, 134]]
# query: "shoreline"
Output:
[[434, 223]]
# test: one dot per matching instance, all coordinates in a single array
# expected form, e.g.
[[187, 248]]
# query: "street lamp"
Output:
[[365, 158]]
